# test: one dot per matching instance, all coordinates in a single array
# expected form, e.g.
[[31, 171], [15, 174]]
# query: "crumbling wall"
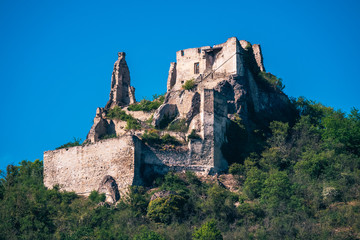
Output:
[[82, 169]]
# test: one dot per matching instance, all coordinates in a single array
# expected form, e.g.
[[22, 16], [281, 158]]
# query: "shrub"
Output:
[[147, 105], [74, 143], [117, 113], [151, 136], [189, 84], [253, 184], [107, 136], [208, 231], [146, 234], [96, 197], [272, 80], [132, 124], [137, 200], [168, 139], [165, 209], [236, 169], [178, 125], [193, 135]]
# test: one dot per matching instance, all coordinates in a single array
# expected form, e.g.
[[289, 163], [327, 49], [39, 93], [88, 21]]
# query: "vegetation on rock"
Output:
[[189, 84], [272, 80], [74, 143], [178, 125], [152, 137], [147, 105], [193, 135], [303, 184], [118, 113]]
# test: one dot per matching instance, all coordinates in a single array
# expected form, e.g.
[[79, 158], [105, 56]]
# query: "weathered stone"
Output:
[[121, 93], [195, 108], [172, 76], [227, 84], [258, 56], [98, 129], [164, 115], [81, 169], [109, 186]]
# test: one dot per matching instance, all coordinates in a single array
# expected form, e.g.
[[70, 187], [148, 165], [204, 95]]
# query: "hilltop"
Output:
[[224, 154]]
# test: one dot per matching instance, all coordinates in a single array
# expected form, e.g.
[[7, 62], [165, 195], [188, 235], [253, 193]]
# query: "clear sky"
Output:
[[56, 57]]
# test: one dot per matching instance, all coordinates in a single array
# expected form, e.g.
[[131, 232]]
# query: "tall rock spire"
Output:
[[121, 93]]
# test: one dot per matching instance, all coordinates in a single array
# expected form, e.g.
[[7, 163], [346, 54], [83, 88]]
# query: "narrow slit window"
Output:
[[196, 68], [182, 53], [199, 50]]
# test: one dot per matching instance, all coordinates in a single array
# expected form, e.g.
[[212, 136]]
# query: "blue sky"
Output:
[[56, 57]]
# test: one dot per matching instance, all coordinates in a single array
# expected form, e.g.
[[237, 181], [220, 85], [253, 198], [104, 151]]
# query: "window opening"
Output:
[[196, 68], [182, 52]]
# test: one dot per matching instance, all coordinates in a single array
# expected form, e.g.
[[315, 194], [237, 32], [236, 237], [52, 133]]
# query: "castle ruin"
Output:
[[225, 85]]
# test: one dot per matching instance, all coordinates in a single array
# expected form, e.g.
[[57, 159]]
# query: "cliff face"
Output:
[[220, 95]]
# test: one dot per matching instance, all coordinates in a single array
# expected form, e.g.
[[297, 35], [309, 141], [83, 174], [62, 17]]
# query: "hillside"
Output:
[[304, 184], [223, 154]]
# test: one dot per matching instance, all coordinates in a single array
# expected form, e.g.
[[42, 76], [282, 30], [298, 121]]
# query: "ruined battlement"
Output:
[[226, 86]]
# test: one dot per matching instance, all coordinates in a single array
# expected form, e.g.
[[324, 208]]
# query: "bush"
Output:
[[178, 125], [147, 105], [107, 136], [236, 169], [137, 200], [132, 124], [193, 135], [96, 197], [189, 84], [254, 182], [272, 80], [117, 113], [74, 143], [147, 234], [151, 137], [168, 139], [208, 231], [166, 209]]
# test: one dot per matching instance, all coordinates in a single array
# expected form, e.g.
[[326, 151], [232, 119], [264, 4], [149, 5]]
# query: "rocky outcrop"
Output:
[[164, 115], [99, 127], [109, 186], [258, 56], [121, 93], [172, 76]]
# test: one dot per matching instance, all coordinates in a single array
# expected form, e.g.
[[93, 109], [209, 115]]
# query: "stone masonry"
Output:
[[226, 84]]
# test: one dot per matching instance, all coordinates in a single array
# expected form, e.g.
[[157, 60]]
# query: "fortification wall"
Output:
[[81, 169]]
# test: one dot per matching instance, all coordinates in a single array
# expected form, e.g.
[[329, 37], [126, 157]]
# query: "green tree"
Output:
[[254, 182], [166, 209], [277, 189], [146, 234], [208, 231]]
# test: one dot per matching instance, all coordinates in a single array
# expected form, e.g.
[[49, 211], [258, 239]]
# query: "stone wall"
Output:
[[81, 169], [223, 58]]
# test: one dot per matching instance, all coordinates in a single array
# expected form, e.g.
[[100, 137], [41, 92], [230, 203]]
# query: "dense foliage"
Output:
[[118, 113], [147, 105], [304, 184]]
